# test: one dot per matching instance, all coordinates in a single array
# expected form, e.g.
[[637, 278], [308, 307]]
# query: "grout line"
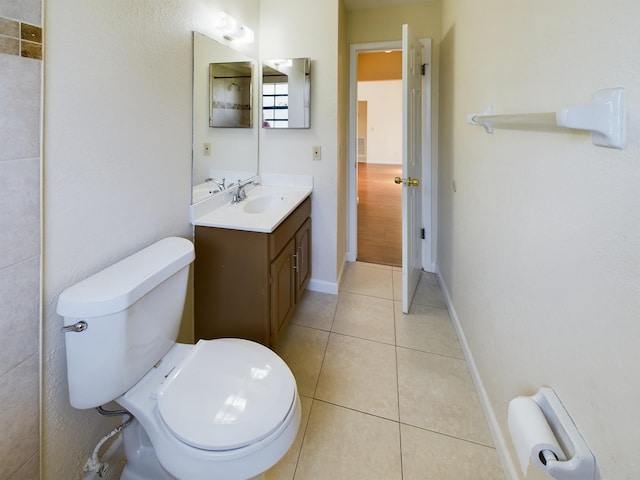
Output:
[[324, 356], [449, 435], [304, 435], [395, 333], [444, 355], [364, 339], [335, 311], [369, 414]]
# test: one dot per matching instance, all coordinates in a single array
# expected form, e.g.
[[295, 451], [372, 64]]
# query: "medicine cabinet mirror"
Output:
[[286, 93], [230, 94]]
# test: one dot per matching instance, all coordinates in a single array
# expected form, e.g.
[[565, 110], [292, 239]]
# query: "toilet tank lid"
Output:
[[119, 286]]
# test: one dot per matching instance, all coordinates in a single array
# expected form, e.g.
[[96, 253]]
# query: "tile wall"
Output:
[[20, 234]]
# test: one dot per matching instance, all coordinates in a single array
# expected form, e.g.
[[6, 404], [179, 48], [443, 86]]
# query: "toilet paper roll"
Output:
[[531, 433]]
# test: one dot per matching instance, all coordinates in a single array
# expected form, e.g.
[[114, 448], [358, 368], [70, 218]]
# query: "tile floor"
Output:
[[384, 395]]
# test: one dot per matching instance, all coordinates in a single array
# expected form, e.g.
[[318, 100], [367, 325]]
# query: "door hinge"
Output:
[[424, 68], [422, 233]]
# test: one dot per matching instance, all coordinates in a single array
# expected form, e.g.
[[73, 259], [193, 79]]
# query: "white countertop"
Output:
[[265, 207]]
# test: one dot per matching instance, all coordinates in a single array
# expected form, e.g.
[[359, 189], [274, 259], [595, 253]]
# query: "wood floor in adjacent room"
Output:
[[379, 214]]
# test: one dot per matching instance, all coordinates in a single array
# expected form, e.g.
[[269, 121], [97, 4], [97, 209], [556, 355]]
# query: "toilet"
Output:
[[221, 409]]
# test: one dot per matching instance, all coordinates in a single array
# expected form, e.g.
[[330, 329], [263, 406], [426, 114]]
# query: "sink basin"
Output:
[[261, 204], [261, 211]]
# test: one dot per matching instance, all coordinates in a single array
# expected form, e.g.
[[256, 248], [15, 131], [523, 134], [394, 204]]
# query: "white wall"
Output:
[[384, 120], [539, 248], [117, 165], [287, 31]]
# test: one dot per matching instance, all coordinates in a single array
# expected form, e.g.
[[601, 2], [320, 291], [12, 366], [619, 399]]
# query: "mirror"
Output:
[[219, 154], [230, 94], [286, 93]]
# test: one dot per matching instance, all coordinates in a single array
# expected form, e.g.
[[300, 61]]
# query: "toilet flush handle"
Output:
[[81, 326]]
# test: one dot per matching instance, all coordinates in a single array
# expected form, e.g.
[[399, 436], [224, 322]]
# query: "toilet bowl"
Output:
[[223, 408]]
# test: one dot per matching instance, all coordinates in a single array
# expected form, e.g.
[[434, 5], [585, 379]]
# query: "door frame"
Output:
[[429, 167]]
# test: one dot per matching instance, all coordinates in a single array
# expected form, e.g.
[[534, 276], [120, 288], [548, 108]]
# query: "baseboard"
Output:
[[498, 439], [322, 286]]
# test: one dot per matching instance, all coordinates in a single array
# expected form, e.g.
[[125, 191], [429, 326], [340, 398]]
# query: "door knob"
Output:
[[410, 182]]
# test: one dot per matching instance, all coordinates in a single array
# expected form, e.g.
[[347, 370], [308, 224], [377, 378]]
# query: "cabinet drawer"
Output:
[[287, 229]]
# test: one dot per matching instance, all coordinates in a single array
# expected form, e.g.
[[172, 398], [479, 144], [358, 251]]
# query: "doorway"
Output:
[[379, 149], [356, 147]]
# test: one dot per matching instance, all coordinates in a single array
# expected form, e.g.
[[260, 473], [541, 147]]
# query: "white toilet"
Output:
[[225, 408]]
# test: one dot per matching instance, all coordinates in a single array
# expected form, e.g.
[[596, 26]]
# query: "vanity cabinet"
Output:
[[247, 284]]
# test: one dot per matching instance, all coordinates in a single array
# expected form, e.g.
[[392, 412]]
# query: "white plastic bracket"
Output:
[[477, 119], [604, 117]]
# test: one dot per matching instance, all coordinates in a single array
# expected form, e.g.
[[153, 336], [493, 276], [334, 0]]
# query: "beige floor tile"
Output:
[[428, 329], [303, 349], [365, 317], [360, 374], [367, 280], [428, 292], [286, 467], [376, 265], [396, 277], [316, 310], [341, 351], [437, 393], [341, 444], [431, 456]]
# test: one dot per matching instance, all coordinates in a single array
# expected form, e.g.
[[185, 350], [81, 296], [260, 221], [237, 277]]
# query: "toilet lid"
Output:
[[227, 393]]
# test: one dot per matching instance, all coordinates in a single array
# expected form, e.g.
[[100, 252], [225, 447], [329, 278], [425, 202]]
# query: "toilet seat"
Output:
[[226, 394]]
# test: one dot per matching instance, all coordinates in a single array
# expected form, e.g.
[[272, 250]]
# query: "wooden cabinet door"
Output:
[[303, 257], [231, 285], [282, 290]]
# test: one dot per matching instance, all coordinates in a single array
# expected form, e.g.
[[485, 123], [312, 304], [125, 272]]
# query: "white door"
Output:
[[412, 60]]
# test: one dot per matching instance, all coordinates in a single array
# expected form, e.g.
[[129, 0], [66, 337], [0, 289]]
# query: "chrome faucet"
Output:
[[219, 183], [239, 193]]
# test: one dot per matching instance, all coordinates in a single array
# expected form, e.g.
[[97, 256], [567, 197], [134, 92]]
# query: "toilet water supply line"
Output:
[[93, 463]]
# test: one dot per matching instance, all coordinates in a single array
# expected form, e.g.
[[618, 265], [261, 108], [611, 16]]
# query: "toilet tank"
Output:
[[133, 311]]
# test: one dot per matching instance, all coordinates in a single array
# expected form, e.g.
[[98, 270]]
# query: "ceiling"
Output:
[[362, 4]]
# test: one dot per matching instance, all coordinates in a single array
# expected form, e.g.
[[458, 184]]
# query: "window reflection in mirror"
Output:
[[230, 94], [286, 93]]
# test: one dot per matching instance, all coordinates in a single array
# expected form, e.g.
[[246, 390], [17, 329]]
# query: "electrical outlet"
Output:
[[317, 152], [206, 149]]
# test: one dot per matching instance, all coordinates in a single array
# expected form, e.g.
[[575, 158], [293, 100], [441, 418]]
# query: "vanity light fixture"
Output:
[[230, 29], [283, 63]]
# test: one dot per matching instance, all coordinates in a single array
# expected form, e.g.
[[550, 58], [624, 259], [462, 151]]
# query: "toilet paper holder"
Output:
[[580, 463]]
